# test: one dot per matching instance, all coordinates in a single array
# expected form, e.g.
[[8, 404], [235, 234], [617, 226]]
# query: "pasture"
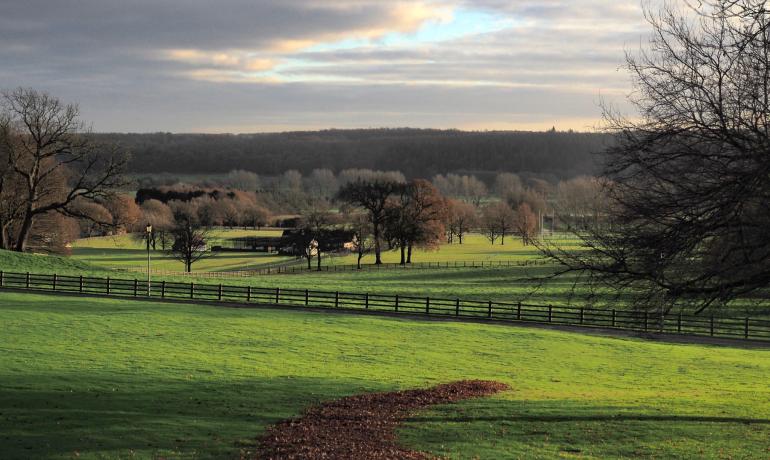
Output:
[[111, 378], [126, 251]]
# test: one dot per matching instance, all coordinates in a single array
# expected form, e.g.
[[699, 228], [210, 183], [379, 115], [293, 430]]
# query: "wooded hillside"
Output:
[[415, 152]]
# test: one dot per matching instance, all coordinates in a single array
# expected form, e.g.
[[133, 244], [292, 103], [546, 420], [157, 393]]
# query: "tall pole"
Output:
[[149, 282]]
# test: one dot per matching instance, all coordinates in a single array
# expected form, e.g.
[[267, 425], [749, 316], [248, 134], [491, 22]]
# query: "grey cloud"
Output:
[[104, 54]]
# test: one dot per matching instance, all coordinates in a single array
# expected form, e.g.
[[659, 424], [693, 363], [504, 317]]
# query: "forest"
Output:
[[415, 152]]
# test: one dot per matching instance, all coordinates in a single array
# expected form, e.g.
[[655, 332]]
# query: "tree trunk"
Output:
[[318, 255], [377, 256], [360, 256], [309, 262], [460, 237], [403, 255], [409, 253], [21, 241]]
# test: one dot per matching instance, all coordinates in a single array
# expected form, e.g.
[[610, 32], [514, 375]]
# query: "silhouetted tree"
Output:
[[189, 237], [373, 197], [688, 181]]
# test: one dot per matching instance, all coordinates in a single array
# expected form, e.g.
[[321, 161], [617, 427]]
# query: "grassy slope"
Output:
[[113, 378]]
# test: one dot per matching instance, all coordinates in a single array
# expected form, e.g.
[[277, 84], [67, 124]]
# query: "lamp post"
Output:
[[148, 229]]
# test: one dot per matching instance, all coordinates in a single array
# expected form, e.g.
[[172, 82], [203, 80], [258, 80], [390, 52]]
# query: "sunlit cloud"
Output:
[[309, 63]]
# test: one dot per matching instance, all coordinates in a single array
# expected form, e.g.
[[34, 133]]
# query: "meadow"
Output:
[[126, 251], [112, 378]]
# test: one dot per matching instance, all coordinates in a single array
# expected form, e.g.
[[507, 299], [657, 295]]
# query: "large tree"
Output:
[[416, 217], [50, 163], [689, 176], [372, 196]]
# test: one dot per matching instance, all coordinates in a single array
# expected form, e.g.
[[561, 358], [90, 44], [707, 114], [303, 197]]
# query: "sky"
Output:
[[278, 65]]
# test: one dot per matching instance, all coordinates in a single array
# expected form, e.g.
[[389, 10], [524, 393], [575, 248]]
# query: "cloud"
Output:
[[304, 63]]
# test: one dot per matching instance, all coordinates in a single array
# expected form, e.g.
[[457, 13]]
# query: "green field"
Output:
[[107, 378], [505, 284], [475, 248], [125, 251]]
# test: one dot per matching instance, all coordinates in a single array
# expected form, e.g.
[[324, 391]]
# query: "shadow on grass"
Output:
[[46, 416]]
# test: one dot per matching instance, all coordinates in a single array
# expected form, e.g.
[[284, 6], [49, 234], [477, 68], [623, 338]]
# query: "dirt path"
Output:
[[362, 426]]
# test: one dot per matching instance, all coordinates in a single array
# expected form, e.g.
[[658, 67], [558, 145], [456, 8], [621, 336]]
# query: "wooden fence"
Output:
[[736, 328]]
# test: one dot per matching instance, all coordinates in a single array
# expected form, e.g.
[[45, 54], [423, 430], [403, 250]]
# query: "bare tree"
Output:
[[314, 222], [363, 242], [416, 217], [51, 160], [525, 223], [190, 238], [688, 180], [160, 216], [373, 197], [497, 219], [462, 217]]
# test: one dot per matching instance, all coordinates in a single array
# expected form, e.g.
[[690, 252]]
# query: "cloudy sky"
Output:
[[274, 65]]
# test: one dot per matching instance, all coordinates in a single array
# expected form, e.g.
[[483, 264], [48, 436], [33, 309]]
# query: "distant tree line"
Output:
[[415, 152]]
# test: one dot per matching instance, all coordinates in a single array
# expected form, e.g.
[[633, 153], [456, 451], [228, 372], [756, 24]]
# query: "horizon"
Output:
[[308, 65]]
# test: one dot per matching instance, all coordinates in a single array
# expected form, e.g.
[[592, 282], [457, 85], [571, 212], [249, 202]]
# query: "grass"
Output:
[[475, 247], [125, 251], [109, 378], [507, 284]]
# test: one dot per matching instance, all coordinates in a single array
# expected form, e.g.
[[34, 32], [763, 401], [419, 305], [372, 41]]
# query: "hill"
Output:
[[115, 378], [42, 263]]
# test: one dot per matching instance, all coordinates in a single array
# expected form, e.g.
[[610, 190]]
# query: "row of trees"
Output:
[[417, 153]]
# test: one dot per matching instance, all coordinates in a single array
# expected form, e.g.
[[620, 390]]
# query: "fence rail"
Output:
[[737, 328]]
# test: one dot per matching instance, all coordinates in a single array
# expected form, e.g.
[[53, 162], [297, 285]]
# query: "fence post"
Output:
[[489, 309], [136, 287], [518, 310], [711, 326], [366, 301], [53, 284], [613, 317], [80, 287], [192, 290], [248, 293], [746, 329], [26, 283], [581, 315], [219, 292], [277, 296], [163, 289], [457, 307], [679, 323], [307, 297], [427, 305], [662, 323], [396, 303], [2, 279], [108, 285], [550, 313]]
